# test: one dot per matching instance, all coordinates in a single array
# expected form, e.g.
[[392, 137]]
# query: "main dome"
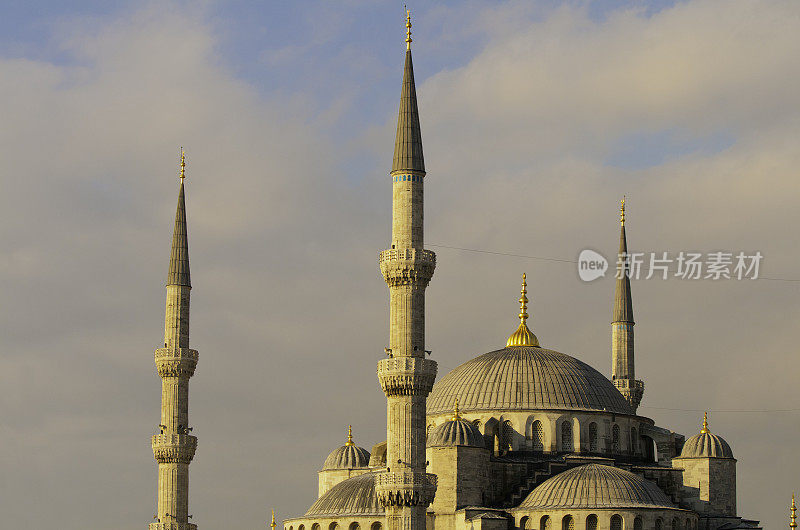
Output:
[[525, 378]]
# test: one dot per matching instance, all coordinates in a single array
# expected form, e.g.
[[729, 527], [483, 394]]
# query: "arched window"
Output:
[[674, 524], [537, 436], [301, 527], [637, 524], [333, 526], [545, 524], [354, 526], [616, 522], [615, 438], [566, 435], [315, 526], [688, 524], [523, 523], [477, 423], [659, 524], [375, 526], [567, 523], [634, 440], [506, 435], [593, 445], [591, 522]]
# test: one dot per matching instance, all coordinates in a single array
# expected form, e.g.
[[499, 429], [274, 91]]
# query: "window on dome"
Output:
[[537, 436], [523, 523], [545, 523], [637, 524], [593, 445], [615, 438], [674, 524], [354, 526], [375, 526], [616, 522], [315, 526], [659, 524], [591, 522], [566, 436], [506, 435], [301, 527], [568, 523], [333, 526]]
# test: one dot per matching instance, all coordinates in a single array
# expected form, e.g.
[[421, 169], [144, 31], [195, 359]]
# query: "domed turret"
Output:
[[457, 431], [706, 445], [347, 456]]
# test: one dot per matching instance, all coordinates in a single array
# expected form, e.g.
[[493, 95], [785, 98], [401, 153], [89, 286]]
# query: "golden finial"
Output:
[[408, 28], [705, 430], [622, 211], [523, 336], [349, 435], [183, 165], [456, 412], [272, 524], [793, 523]]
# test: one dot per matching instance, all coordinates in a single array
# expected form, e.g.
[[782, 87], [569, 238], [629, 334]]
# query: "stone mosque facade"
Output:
[[520, 438]]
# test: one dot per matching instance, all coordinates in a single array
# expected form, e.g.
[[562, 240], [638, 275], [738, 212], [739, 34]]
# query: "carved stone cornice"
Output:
[[405, 488], [406, 376], [407, 266], [176, 362], [174, 448], [173, 526]]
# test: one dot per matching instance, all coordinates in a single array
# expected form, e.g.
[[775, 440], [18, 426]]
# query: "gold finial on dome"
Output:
[[349, 435], [408, 28], [705, 430], [183, 165], [793, 518], [523, 336], [622, 211], [272, 524], [456, 412]]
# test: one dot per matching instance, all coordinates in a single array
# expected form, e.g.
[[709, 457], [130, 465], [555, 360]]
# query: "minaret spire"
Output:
[[705, 430], [173, 446], [793, 515], [623, 373], [523, 336], [407, 376]]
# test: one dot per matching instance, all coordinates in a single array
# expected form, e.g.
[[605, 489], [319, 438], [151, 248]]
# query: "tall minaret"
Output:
[[623, 374], [406, 376], [174, 447]]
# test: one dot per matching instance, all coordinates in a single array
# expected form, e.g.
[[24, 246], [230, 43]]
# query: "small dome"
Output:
[[354, 496], [596, 486], [347, 456], [705, 445], [455, 432]]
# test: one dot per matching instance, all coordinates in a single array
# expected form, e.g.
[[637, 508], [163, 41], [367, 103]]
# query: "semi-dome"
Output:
[[354, 496], [596, 486], [525, 378], [456, 431], [347, 456], [706, 444]]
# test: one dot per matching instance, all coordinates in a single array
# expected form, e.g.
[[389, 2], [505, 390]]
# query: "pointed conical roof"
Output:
[[408, 143], [623, 306], [179, 258]]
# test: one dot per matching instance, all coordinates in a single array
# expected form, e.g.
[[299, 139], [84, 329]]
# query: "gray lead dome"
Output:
[[596, 486], [455, 432], [346, 457], [706, 445], [525, 378], [354, 496]]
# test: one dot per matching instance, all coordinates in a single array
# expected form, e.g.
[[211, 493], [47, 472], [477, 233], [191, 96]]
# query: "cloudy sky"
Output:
[[537, 117]]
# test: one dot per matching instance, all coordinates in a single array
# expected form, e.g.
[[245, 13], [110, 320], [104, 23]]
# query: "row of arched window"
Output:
[[336, 526], [617, 523]]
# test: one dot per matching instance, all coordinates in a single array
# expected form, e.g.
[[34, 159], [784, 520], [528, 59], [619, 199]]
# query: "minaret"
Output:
[[174, 447], [406, 377], [793, 515], [623, 374]]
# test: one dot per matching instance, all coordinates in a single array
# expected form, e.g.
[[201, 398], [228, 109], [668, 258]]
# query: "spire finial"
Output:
[[622, 211], [456, 412], [183, 165], [793, 519], [705, 430], [272, 524], [408, 28], [523, 336], [349, 435]]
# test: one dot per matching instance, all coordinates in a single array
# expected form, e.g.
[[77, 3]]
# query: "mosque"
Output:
[[520, 438]]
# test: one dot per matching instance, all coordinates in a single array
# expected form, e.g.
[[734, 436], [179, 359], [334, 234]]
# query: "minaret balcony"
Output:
[[176, 362], [173, 526], [405, 488], [174, 448], [406, 376], [407, 265]]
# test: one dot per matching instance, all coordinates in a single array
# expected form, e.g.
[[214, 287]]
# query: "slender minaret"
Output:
[[793, 515], [174, 447], [405, 489], [623, 374]]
